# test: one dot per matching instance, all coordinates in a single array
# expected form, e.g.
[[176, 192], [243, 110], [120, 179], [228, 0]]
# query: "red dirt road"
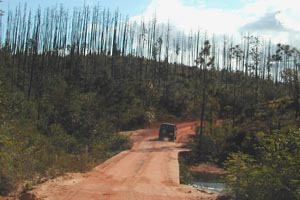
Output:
[[149, 170]]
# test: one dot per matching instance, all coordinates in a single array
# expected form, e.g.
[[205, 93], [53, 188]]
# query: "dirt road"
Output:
[[149, 170]]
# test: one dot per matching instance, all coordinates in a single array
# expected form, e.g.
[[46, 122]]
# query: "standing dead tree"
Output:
[[204, 61]]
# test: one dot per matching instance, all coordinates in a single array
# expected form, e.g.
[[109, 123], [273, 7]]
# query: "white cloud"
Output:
[[187, 17], [289, 11], [288, 16]]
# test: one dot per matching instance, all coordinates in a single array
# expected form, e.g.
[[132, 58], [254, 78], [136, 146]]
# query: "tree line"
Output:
[[100, 31]]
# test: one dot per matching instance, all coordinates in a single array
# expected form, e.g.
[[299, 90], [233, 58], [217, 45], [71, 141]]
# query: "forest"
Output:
[[70, 81]]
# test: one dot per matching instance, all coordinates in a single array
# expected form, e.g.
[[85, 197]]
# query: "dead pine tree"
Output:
[[203, 62], [236, 53], [1, 14]]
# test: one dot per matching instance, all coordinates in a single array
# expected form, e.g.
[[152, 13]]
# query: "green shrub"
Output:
[[273, 175], [61, 140]]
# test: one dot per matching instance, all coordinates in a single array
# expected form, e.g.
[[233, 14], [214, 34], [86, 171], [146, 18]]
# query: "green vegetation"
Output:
[[33, 147], [272, 174], [184, 171], [70, 83]]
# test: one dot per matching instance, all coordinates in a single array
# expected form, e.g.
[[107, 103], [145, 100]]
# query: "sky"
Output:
[[278, 20], [127, 7]]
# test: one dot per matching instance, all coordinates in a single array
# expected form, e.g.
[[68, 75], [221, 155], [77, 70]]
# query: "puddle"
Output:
[[216, 187], [208, 181]]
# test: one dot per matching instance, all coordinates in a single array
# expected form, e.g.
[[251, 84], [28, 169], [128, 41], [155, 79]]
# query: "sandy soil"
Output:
[[149, 170]]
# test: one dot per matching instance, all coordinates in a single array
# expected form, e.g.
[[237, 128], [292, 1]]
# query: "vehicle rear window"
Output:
[[167, 127]]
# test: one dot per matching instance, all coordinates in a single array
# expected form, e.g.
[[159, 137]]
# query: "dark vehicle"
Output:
[[167, 130]]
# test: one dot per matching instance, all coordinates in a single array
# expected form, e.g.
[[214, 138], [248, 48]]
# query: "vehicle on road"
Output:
[[167, 130]]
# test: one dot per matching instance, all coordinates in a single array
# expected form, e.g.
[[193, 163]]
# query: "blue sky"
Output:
[[276, 19], [130, 7]]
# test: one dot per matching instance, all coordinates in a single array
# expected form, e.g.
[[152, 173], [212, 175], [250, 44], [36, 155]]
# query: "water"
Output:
[[214, 186]]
